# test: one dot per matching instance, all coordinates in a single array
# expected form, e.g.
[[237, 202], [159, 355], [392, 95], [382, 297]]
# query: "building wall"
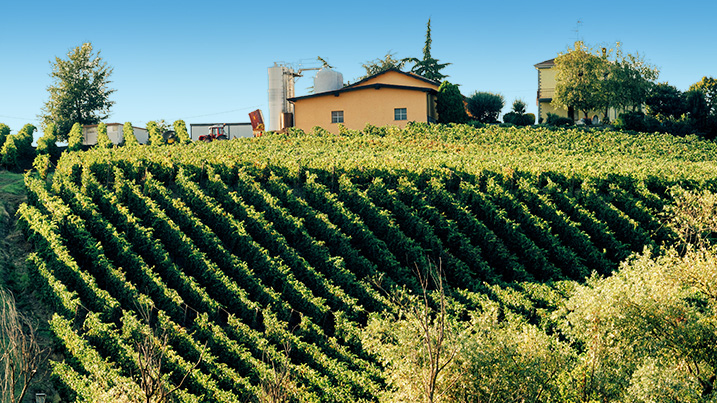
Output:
[[370, 105], [141, 134], [114, 132], [89, 134]]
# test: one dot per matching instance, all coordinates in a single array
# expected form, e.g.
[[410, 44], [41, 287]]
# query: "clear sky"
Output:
[[206, 61]]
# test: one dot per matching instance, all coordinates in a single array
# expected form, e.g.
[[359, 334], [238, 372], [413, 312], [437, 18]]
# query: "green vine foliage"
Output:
[[75, 138], [288, 251], [128, 133], [103, 139]]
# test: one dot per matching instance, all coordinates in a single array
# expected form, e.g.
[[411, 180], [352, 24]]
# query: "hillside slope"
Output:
[[252, 252]]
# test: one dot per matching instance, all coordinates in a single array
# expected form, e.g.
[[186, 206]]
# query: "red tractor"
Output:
[[215, 133]]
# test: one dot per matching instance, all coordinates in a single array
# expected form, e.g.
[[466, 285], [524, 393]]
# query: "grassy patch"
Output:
[[11, 183]]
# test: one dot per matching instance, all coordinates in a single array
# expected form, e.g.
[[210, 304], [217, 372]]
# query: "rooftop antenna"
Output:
[[577, 30]]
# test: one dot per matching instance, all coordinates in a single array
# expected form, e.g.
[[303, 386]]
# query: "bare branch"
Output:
[[20, 354]]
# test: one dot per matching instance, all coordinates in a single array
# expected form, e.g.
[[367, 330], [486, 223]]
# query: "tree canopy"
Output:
[[379, 65], [708, 86], [629, 79], [428, 67], [80, 92], [588, 79], [579, 80]]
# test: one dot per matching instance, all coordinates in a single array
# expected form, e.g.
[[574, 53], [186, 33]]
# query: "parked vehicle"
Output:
[[216, 132]]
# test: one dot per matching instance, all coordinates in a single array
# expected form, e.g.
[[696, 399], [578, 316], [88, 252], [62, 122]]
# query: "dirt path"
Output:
[[13, 248]]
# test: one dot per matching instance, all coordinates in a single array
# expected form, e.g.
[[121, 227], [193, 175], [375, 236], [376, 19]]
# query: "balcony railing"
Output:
[[544, 93]]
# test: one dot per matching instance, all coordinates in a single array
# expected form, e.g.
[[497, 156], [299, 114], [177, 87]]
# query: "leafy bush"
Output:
[[530, 118], [17, 150], [9, 154], [556, 120], [449, 105], [519, 119], [637, 121], [485, 106]]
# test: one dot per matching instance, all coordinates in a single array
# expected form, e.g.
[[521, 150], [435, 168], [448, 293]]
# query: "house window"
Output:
[[400, 114], [337, 116]]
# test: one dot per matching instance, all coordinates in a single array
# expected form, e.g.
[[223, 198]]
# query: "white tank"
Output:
[[281, 87], [328, 80]]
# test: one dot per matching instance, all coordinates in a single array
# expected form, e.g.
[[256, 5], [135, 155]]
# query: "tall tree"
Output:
[[589, 79], [579, 80], [428, 67], [629, 79], [665, 100], [80, 92]]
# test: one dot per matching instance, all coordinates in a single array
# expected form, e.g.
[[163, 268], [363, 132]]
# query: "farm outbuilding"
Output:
[[114, 132]]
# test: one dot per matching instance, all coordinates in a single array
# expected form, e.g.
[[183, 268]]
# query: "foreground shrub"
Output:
[[485, 106], [17, 151], [637, 121], [450, 105], [526, 119], [556, 120]]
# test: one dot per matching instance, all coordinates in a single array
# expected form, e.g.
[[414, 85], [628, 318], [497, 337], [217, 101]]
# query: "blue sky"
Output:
[[207, 61]]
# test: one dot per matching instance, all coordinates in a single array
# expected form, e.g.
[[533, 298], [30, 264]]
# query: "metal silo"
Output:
[[281, 87], [328, 80]]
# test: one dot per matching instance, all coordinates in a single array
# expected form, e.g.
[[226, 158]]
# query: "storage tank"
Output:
[[328, 80], [281, 87]]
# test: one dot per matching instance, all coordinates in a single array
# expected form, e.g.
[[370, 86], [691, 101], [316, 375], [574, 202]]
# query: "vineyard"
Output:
[[257, 254]]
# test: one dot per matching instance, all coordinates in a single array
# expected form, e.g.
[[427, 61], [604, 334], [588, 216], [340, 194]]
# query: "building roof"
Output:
[[220, 124], [409, 74], [112, 124], [359, 85], [546, 64]]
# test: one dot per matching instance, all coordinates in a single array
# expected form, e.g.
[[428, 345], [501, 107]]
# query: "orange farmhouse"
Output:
[[392, 97]]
